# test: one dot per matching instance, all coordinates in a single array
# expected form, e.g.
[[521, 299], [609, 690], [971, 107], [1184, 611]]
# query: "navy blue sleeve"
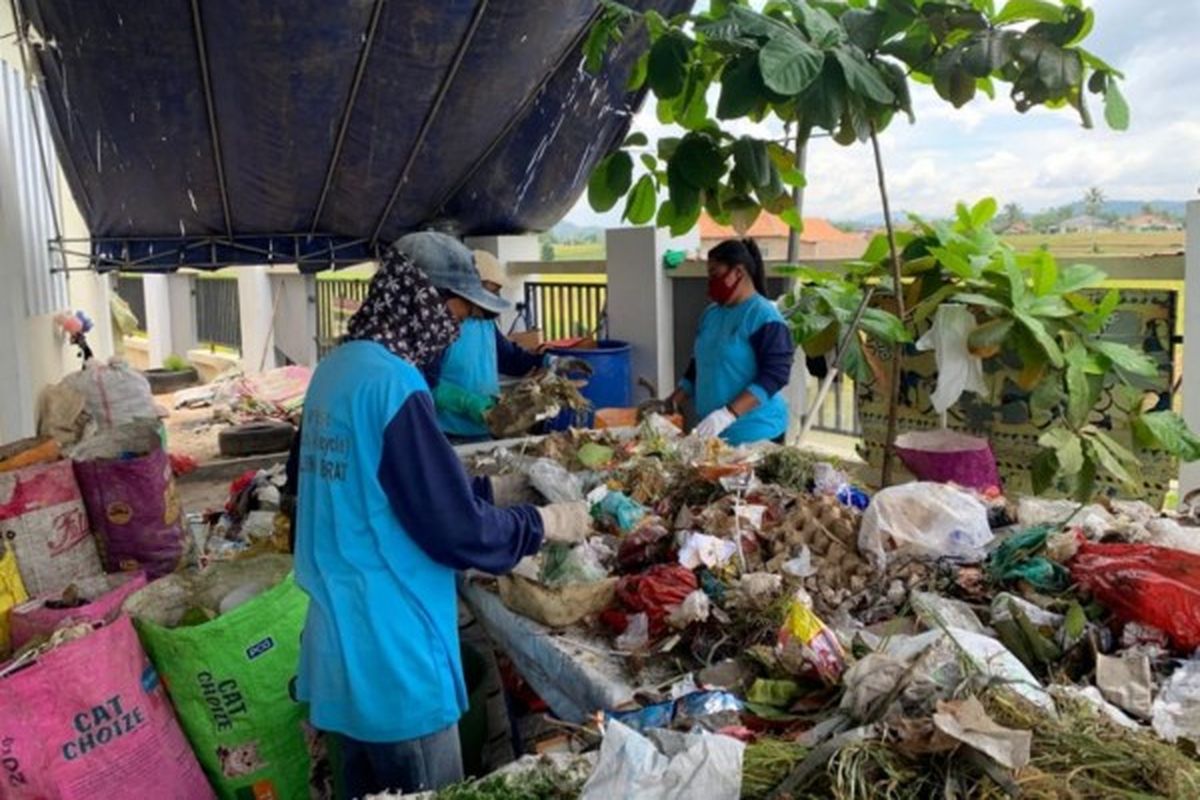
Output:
[[773, 349], [512, 359], [433, 372], [440, 507]]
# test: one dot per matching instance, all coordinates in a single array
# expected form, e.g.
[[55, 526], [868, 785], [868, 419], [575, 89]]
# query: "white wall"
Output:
[[34, 353]]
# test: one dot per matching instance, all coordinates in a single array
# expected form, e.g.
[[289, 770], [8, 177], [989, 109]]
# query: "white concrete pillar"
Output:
[[1189, 474], [158, 317], [257, 319], [296, 317], [508, 249], [639, 301], [181, 299]]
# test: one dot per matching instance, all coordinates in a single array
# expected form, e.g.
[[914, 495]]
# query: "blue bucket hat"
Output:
[[449, 266]]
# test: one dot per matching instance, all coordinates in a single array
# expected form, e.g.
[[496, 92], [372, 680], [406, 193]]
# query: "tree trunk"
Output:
[[889, 446]]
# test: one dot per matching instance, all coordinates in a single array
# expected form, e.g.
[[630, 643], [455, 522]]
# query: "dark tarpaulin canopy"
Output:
[[223, 132]]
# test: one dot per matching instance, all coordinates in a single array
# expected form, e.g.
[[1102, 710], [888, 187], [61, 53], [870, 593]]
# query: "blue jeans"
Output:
[[417, 765]]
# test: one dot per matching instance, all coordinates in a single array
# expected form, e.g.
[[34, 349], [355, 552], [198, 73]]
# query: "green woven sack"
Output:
[[229, 676]]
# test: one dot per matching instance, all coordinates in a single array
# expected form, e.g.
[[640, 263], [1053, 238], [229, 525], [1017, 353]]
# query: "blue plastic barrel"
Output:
[[611, 382]]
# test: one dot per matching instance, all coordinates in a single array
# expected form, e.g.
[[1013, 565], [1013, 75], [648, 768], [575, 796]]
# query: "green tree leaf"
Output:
[[951, 79], [1041, 336], [986, 52], [1125, 357], [637, 75], [884, 326], [1067, 447], [1110, 463], [990, 335], [983, 212], [792, 219], [819, 24], [683, 194], [1019, 10], [1043, 471], [640, 207], [699, 161], [742, 88], [864, 27], [1077, 277], [1116, 110], [1167, 431], [636, 139], [863, 77], [666, 69], [789, 64], [610, 180], [752, 162]]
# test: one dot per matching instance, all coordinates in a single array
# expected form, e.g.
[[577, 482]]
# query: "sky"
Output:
[[1038, 159]]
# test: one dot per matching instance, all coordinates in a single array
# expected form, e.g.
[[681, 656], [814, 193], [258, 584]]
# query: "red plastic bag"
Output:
[[657, 591], [1154, 586], [650, 544]]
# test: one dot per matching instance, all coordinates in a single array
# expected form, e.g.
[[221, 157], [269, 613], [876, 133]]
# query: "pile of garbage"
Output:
[[925, 640]]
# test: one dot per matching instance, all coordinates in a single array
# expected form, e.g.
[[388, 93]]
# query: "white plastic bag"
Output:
[[926, 520], [116, 393], [1176, 711], [666, 765], [553, 481], [957, 369]]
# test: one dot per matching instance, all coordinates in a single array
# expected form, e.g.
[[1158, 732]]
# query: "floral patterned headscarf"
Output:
[[404, 313]]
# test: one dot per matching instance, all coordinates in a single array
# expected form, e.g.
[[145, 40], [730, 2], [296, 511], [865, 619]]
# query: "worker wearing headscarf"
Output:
[[743, 352], [386, 515]]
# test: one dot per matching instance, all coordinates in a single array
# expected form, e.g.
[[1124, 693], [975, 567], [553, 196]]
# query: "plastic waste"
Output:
[[926, 520], [666, 765], [1175, 713], [619, 509], [702, 550], [636, 635], [1143, 583], [806, 645], [957, 369], [935, 611], [1018, 558], [695, 608], [553, 481], [582, 563], [656, 592]]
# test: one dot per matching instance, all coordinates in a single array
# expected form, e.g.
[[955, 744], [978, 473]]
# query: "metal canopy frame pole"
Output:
[[519, 114], [427, 123], [202, 52], [344, 125]]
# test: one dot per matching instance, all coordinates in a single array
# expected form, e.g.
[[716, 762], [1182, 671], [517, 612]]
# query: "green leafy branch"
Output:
[[1032, 313], [842, 68]]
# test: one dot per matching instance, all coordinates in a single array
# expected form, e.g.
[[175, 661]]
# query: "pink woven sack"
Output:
[[91, 719], [946, 456], [104, 593]]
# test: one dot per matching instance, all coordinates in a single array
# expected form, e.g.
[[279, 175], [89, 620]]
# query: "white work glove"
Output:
[[566, 522], [715, 423]]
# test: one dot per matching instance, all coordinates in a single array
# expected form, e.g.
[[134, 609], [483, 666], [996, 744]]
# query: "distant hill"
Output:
[[570, 232], [1120, 208]]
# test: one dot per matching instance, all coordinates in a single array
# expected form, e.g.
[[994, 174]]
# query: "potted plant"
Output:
[[174, 374]]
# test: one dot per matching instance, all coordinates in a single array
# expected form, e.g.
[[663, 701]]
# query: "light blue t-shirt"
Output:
[[471, 364], [726, 366]]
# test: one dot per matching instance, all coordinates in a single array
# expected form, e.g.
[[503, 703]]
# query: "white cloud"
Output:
[[1037, 159]]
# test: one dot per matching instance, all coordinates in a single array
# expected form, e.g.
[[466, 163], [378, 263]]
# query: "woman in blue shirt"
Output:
[[385, 517], [743, 352]]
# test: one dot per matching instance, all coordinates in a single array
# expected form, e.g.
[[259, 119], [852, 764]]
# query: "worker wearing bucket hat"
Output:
[[466, 380]]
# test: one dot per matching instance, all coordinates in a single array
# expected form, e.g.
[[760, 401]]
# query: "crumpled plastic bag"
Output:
[[939, 656], [702, 550], [1142, 583], [927, 520], [1019, 558], [656, 592], [564, 564], [553, 480], [957, 369], [666, 765], [619, 509], [1175, 713]]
